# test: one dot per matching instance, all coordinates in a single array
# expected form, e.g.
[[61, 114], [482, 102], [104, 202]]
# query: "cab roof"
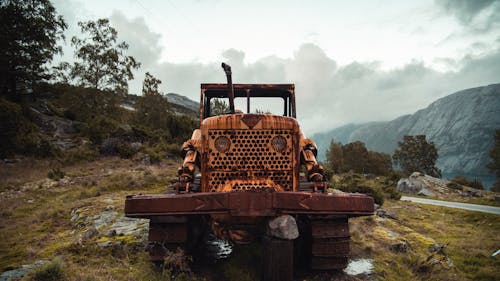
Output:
[[256, 90]]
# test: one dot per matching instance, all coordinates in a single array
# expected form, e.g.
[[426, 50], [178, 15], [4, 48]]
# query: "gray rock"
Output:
[[136, 146], [284, 227], [146, 160], [425, 192], [13, 274], [472, 193], [105, 218], [401, 247], [18, 273], [436, 248], [384, 214], [110, 233], [105, 244], [418, 183], [90, 233], [130, 226]]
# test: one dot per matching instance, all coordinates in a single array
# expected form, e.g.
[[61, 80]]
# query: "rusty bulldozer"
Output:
[[241, 178]]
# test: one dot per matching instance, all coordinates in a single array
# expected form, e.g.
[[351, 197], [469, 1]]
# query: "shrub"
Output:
[[496, 186], [474, 183], [374, 192], [454, 185], [14, 127], [79, 154], [56, 174], [100, 128], [125, 150], [53, 271], [391, 192]]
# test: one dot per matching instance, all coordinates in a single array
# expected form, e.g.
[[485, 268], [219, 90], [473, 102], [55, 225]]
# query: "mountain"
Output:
[[461, 125], [183, 104]]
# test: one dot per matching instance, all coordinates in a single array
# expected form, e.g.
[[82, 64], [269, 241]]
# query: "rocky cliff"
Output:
[[461, 125]]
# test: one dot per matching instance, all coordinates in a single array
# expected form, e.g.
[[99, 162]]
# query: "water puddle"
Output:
[[359, 266], [218, 249]]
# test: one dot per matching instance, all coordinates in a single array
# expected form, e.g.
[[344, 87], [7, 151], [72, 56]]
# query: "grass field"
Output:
[[423, 243]]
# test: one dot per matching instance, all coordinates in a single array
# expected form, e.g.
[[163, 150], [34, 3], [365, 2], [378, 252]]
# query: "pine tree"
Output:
[[29, 36], [152, 108]]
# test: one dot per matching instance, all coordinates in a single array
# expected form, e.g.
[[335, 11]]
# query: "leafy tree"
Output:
[[152, 108], [335, 157], [218, 107], [29, 31], [101, 61], [378, 163], [355, 156], [416, 154], [494, 165]]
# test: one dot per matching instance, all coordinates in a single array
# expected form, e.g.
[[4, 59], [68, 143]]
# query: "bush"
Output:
[[56, 174], [474, 183], [496, 186], [454, 185], [14, 127], [355, 183], [125, 150], [376, 193], [79, 154], [100, 128], [391, 192], [53, 271]]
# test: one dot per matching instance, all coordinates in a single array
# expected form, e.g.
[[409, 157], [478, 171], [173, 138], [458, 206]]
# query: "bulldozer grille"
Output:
[[250, 161]]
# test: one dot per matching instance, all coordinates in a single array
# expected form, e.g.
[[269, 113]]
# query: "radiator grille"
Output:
[[250, 157]]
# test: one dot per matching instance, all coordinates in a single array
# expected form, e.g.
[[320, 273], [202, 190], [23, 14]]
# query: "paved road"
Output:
[[464, 206]]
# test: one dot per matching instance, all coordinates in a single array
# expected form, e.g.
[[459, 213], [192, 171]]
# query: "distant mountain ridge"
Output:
[[183, 105], [461, 125]]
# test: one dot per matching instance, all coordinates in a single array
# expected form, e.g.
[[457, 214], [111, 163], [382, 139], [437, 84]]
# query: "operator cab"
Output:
[[275, 99]]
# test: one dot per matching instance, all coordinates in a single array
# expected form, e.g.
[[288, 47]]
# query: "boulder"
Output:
[[16, 274], [283, 227], [419, 183]]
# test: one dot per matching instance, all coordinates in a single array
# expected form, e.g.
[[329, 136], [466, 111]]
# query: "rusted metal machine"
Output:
[[249, 173]]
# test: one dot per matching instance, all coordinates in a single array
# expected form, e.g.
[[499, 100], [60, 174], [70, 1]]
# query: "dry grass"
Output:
[[35, 214], [35, 224], [469, 239]]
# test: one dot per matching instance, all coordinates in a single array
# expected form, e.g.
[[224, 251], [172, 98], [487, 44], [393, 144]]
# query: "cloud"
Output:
[[329, 95], [480, 15], [144, 44]]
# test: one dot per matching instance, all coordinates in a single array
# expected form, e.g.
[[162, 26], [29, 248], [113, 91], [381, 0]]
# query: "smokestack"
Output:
[[230, 90]]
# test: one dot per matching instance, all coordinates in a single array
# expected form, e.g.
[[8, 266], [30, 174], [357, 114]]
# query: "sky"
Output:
[[351, 61]]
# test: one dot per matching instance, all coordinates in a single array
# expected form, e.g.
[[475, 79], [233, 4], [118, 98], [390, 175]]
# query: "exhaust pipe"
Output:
[[230, 90]]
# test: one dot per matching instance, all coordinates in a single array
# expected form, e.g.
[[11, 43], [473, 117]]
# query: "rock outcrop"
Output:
[[422, 184]]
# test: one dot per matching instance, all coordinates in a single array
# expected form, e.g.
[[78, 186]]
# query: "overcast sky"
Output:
[[351, 61]]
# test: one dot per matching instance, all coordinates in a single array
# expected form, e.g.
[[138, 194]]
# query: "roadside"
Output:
[[457, 205]]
